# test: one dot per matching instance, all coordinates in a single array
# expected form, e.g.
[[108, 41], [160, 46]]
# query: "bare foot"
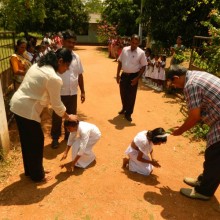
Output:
[[125, 162]]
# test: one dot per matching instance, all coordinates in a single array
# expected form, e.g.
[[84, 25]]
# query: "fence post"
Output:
[[4, 135]]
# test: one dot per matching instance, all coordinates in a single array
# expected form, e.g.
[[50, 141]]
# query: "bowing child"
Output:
[[83, 136], [140, 151]]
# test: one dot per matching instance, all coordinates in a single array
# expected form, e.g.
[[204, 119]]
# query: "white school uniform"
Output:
[[146, 72], [161, 74], [156, 70], [145, 147], [151, 69], [82, 142]]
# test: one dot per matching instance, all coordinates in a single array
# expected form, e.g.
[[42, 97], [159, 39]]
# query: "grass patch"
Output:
[[8, 164]]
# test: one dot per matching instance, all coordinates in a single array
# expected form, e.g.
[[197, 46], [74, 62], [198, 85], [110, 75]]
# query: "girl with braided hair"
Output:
[[140, 151]]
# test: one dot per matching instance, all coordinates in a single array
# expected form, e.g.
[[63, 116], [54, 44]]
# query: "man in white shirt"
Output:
[[133, 62], [71, 79]]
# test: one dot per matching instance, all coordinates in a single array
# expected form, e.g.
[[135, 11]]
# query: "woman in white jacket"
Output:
[[40, 87]]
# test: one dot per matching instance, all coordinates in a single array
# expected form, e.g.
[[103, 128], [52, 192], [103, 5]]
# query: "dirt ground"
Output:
[[104, 190]]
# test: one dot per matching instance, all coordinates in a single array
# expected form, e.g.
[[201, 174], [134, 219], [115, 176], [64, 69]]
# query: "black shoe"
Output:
[[128, 117], [55, 144], [121, 112]]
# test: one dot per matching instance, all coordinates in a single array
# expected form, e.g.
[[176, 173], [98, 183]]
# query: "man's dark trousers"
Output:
[[70, 103], [210, 179], [128, 92]]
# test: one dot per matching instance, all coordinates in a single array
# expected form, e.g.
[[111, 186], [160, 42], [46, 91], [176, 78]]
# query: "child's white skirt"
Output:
[[88, 157], [138, 166], [162, 74]]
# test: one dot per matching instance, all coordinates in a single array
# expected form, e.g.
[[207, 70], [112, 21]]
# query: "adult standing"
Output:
[[202, 94], [20, 62], [132, 62], [40, 87], [177, 52], [72, 78]]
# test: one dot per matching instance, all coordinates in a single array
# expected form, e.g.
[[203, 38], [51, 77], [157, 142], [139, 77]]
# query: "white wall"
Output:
[[4, 135]]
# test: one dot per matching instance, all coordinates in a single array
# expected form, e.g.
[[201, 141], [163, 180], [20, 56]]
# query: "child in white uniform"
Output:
[[140, 151], [162, 74], [146, 72], [82, 154], [156, 72]]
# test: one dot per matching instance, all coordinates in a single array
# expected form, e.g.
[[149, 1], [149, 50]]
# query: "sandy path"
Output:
[[105, 191]]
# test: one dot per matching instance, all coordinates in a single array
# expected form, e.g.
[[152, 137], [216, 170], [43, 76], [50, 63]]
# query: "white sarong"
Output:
[[88, 156], [138, 166]]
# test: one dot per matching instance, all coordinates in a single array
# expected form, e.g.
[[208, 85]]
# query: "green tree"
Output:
[[68, 14], [122, 13], [93, 6], [41, 15], [22, 15], [166, 19], [209, 58]]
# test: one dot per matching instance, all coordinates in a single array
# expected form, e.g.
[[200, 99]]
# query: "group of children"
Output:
[[48, 43], [115, 46], [154, 75], [83, 136]]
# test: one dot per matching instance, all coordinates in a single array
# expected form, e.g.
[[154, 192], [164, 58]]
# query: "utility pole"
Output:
[[140, 25]]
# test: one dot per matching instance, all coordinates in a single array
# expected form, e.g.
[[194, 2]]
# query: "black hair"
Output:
[[51, 58], [65, 54], [29, 45], [175, 70], [153, 136], [68, 34], [68, 123], [164, 56], [19, 42], [136, 37], [148, 50]]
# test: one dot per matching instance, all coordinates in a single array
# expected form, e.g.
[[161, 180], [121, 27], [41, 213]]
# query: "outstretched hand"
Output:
[[63, 157], [73, 117], [155, 163], [174, 131], [69, 166]]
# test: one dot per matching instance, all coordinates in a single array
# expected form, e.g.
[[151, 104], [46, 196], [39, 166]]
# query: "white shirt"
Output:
[[142, 142], [85, 131], [30, 56], [70, 77], [132, 61], [40, 87], [47, 39]]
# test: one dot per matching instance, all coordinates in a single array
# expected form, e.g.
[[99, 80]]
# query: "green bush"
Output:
[[199, 131]]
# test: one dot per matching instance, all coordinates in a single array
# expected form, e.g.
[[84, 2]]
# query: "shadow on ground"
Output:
[[150, 180], [176, 206], [24, 191], [120, 122]]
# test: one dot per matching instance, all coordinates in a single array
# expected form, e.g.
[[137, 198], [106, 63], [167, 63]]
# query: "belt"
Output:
[[129, 73]]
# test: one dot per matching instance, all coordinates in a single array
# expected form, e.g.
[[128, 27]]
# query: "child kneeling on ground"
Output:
[[82, 154], [140, 148]]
